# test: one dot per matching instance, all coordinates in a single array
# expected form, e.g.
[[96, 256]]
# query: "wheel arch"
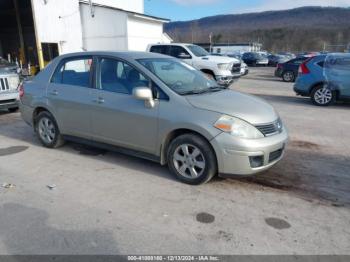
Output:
[[37, 111], [176, 133], [332, 86], [208, 71]]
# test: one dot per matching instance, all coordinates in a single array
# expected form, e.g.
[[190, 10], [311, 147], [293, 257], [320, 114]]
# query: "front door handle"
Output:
[[54, 93]]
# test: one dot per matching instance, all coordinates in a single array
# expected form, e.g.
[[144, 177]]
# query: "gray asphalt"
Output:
[[107, 203]]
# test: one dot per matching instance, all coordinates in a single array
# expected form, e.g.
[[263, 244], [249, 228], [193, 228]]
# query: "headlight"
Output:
[[13, 81], [237, 127], [224, 66]]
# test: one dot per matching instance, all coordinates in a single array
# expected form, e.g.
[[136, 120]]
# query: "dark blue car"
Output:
[[288, 71]]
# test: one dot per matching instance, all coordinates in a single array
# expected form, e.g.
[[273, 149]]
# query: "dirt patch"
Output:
[[312, 175], [304, 145], [12, 150], [205, 218], [277, 223], [225, 235]]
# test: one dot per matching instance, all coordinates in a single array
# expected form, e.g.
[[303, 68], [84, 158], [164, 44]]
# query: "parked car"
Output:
[[287, 54], [274, 60], [9, 81], [244, 66], [244, 69], [288, 71], [221, 68], [325, 79], [254, 59], [156, 107]]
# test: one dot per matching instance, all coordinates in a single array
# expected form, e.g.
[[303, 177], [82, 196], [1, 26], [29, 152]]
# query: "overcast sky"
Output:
[[192, 9]]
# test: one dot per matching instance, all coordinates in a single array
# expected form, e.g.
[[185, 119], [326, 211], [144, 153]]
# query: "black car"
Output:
[[288, 71], [254, 59]]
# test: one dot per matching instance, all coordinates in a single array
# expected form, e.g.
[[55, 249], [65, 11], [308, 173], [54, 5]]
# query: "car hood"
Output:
[[220, 59], [246, 107]]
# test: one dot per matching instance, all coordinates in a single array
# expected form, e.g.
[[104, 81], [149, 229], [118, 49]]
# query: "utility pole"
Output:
[[20, 31], [210, 41]]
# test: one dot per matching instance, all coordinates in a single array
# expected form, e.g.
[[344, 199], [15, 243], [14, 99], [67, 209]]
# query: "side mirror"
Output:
[[184, 56], [145, 94]]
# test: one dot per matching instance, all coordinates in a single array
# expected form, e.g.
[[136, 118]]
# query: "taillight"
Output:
[[21, 90], [303, 69]]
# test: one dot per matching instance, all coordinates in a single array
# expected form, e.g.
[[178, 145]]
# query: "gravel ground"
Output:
[[107, 203]]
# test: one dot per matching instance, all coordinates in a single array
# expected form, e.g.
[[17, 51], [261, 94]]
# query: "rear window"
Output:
[[74, 72], [160, 49]]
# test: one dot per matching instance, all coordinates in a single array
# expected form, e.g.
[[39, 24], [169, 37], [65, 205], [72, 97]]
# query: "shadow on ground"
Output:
[[37, 237]]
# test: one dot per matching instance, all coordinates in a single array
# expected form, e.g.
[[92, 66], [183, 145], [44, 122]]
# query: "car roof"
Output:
[[133, 55], [180, 44]]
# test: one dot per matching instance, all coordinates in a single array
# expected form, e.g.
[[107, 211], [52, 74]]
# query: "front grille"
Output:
[[236, 68], [4, 84], [275, 155], [270, 129], [8, 101]]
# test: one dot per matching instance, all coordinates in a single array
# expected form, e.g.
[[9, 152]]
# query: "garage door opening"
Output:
[[17, 34], [50, 51]]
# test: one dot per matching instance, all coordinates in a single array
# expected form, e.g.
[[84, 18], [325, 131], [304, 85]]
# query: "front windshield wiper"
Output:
[[203, 91], [193, 92]]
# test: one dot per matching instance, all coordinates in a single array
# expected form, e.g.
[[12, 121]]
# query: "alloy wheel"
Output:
[[46, 130], [323, 96], [189, 161], [288, 76]]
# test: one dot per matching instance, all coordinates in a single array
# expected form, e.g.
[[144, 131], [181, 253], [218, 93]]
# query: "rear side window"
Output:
[[74, 72], [160, 49]]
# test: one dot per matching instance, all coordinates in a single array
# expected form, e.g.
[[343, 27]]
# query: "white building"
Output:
[[53, 27], [236, 48]]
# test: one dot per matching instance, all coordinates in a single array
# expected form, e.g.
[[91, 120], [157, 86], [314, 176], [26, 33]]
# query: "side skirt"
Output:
[[113, 148]]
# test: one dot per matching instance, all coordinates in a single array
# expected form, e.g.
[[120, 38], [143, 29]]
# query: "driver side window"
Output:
[[119, 77], [178, 51]]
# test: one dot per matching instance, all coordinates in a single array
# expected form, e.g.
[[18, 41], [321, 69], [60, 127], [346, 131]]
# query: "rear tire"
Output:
[[322, 95], [191, 159], [47, 130], [288, 76]]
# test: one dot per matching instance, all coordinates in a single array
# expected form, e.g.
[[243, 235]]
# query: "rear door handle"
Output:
[[99, 100], [54, 93]]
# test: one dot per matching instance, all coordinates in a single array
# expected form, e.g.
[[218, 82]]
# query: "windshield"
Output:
[[197, 50], [179, 76], [3, 61]]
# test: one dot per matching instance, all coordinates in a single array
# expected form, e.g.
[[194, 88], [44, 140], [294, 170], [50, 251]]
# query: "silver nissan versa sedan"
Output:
[[155, 107]]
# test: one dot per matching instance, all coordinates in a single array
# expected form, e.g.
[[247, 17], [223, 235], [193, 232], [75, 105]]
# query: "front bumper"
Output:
[[227, 80], [9, 99], [234, 154]]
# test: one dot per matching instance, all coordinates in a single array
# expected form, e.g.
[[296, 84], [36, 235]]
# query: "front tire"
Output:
[[322, 95], [47, 130], [191, 159]]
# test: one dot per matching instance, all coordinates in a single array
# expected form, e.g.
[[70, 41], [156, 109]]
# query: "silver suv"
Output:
[[9, 81], [156, 107]]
